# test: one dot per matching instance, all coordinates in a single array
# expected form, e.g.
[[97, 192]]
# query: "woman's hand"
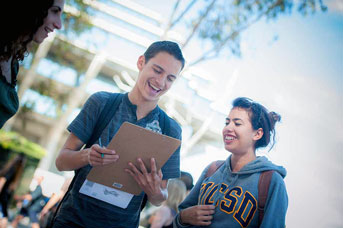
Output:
[[100, 155], [151, 183], [199, 215]]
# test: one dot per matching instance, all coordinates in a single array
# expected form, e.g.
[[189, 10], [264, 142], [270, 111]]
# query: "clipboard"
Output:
[[130, 142]]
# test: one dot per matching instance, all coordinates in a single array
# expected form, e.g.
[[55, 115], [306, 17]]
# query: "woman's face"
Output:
[[52, 21], [238, 133]]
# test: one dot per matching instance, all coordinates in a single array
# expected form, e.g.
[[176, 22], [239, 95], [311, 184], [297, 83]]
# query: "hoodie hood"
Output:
[[260, 164]]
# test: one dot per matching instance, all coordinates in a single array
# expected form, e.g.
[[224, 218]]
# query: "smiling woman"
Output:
[[22, 22], [230, 196]]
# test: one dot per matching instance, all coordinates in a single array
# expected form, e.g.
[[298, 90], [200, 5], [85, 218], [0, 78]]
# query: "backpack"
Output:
[[105, 117], [263, 186]]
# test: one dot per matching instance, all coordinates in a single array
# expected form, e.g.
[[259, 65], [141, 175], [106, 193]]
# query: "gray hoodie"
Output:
[[235, 195]]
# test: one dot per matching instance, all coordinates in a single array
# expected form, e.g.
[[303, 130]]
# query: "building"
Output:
[[104, 58]]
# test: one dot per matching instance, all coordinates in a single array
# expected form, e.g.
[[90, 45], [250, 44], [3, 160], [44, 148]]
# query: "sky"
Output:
[[299, 75]]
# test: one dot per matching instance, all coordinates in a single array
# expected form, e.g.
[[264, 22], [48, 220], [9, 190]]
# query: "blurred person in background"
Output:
[[48, 211], [163, 217], [149, 211], [188, 180], [10, 176], [22, 22], [31, 204]]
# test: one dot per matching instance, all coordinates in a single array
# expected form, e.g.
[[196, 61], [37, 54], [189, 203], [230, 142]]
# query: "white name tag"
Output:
[[107, 194]]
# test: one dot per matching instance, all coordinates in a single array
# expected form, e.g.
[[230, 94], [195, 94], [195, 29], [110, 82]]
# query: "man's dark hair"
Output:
[[170, 47]]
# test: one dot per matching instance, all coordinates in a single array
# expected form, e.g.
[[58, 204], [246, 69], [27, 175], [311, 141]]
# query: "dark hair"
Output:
[[260, 117], [170, 47], [15, 167], [187, 179], [20, 20]]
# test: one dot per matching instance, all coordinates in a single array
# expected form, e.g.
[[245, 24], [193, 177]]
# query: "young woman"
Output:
[[22, 22], [229, 197]]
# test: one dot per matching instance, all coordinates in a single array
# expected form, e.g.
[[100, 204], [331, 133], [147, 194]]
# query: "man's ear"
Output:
[[141, 62], [258, 134]]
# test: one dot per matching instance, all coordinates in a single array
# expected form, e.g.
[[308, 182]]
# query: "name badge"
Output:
[[106, 194]]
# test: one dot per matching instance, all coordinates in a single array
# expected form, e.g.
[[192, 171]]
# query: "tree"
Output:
[[220, 23]]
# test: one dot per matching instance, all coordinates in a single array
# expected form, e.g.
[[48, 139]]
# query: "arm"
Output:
[[277, 203], [190, 212], [22, 197], [55, 198], [198, 215], [72, 158], [52, 201], [160, 217], [2, 182], [151, 183]]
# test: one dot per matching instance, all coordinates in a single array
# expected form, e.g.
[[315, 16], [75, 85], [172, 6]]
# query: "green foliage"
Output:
[[63, 53], [79, 22], [12, 141]]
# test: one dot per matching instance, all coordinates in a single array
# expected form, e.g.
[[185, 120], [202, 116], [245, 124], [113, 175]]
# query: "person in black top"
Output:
[[40, 18], [9, 179]]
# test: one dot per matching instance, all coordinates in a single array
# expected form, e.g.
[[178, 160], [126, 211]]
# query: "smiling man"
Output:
[[158, 68]]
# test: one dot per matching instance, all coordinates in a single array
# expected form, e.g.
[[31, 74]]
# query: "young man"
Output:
[[158, 68]]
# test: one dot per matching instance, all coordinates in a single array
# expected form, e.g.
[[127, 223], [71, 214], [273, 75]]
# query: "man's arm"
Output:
[[151, 183], [72, 158], [157, 198]]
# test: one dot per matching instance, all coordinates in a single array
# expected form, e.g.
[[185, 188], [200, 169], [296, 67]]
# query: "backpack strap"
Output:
[[105, 117], [164, 123], [263, 188], [103, 120], [214, 166]]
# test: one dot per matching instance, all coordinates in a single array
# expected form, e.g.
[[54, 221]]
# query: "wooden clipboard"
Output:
[[130, 142]]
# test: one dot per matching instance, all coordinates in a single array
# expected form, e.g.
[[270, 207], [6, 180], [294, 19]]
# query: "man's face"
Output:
[[157, 75]]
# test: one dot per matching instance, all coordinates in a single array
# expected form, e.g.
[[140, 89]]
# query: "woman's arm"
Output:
[[190, 212], [161, 216], [198, 215]]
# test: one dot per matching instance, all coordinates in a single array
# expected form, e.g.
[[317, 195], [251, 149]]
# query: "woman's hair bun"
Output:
[[274, 117]]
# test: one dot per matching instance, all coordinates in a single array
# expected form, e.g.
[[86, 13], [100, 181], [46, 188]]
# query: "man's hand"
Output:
[[199, 215], [100, 155], [151, 183]]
